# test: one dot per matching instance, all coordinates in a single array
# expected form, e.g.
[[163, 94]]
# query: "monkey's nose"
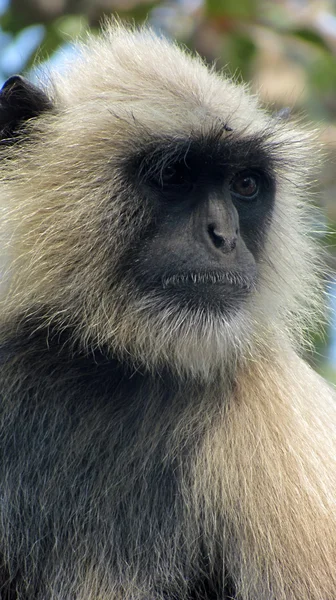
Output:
[[225, 243]]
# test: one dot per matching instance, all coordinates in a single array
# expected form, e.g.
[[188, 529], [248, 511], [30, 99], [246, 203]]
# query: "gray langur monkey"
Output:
[[161, 438]]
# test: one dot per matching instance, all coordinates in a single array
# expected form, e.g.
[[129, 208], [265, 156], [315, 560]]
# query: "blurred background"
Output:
[[286, 50]]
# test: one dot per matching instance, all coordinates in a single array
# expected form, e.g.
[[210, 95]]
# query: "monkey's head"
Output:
[[154, 210]]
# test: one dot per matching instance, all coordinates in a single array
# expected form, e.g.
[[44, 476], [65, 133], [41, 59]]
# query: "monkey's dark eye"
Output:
[[176, 174], [245, 185]]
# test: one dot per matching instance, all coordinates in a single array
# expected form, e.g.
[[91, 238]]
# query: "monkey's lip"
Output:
[[232, 279]]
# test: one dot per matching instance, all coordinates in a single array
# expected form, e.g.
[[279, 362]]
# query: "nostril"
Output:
[[219, 240]]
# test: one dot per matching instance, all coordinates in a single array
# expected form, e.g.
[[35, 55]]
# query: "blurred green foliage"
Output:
[[242, 9], [236, 27]]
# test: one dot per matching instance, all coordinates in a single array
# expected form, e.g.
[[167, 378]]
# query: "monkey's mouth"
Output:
[[229, 279]]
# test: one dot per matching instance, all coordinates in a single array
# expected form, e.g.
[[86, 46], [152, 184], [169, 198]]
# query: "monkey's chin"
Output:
[[185, 329], [194, 323]]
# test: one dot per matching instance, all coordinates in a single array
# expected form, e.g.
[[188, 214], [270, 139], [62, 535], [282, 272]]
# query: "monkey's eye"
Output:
[[245, 185], [176, 174]]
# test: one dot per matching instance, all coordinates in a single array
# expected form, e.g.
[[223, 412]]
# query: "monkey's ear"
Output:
[[20, 100]]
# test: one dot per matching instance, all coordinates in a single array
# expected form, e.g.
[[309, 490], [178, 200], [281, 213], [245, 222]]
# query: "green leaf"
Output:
[[238, 52], [238, 9], [138, 13], [71, 27], [322, 74], [310, 36], [10, 22]]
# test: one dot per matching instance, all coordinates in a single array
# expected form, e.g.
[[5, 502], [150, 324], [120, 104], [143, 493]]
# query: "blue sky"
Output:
[[3, 5], [14, 52]]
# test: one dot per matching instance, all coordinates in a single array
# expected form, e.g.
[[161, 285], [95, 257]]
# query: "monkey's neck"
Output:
[[48, 356]]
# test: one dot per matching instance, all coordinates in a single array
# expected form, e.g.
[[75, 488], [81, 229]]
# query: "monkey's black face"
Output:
[[210, 202]]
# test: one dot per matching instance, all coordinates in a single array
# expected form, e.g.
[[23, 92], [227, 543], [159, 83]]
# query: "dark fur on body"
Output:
[[160, 437], [71, 419]]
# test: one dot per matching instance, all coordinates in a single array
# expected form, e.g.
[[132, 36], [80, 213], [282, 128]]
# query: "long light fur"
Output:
[[257, 425]]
